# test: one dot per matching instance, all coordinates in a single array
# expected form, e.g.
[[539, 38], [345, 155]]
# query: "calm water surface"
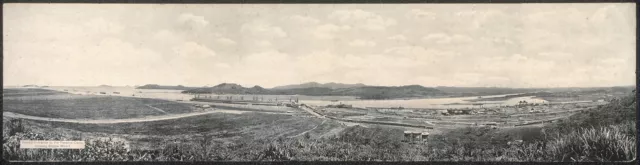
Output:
[[453, 102]]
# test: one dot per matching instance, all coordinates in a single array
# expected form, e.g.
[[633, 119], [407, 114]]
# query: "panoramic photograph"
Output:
[[319, 82]]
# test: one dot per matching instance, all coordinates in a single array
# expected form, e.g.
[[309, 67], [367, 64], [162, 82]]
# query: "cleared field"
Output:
[[16, 92], [26, 90], [220, 126], [197, 124], [92, 107]]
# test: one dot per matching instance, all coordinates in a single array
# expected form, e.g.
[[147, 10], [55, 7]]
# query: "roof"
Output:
[[415, 132]]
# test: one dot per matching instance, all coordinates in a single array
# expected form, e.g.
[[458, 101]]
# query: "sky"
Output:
[[479, 45]]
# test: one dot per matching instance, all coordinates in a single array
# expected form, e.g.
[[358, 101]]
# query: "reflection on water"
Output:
[[453, 102]]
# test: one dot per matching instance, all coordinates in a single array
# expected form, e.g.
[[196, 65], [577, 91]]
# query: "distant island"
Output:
[[156, 86]]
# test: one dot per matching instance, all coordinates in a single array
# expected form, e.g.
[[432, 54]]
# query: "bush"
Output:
[[611, 143]]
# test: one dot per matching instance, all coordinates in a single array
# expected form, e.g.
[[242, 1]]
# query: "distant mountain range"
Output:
[[330, 89], [472, 91], [363, 91], [319, 85], [229, 88], [156, 86]]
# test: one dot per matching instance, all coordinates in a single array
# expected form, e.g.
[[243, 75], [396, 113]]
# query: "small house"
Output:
[[407, 136], [493, 125], [443, 112], [411, 136], [515, 142], [424, 135]]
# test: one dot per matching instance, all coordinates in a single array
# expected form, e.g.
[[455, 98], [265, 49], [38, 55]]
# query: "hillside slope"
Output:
[[156, 86], [320, 85], [229, 88], [364, 92]]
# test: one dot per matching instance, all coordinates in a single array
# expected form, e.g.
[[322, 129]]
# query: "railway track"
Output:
[[310, 110]]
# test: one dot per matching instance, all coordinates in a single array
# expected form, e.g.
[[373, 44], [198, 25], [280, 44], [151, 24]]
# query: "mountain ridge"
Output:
[[156, 86], [331, 85], [363, 92]]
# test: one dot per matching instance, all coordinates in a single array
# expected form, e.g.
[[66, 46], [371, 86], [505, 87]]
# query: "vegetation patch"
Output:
[[89, 107]]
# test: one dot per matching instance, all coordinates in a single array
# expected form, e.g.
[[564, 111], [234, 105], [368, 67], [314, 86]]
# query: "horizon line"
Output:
[[436, 86]]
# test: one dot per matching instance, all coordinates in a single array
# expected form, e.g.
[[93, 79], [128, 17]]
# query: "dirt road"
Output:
[[300, 134], [115, 121], [306, 108]]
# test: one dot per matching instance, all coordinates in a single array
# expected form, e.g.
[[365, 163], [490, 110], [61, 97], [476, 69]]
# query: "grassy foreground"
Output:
[[607, 133]]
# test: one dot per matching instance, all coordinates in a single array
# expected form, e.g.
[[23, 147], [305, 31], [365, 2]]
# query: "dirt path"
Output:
[[106, 121], [308, 130], [305, 108], [115, 121], [157, 109]]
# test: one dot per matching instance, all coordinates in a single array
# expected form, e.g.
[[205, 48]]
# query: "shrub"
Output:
[[610, 143]]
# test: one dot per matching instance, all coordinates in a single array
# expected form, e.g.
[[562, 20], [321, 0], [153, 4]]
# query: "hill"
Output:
[[478, 91], [319, 85], [386, 92], [156, 86], [229, 88], [473, 91], [363, 92]]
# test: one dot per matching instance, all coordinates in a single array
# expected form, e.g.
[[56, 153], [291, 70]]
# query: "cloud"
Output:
[[419, 52], [328, 31], [192, 49], [443, 38], [268, 57], [100, 25], [263, 68], [40, 27], [304, 19], [420, 14], [556, 56], [225, 41], [263, 43], [167, 38], [193, 21], [398, 37], [263, 29], [223, 65], [362, 19], [105, 61], [362, 43], [518, 57], [318, 63], [485, 45]]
